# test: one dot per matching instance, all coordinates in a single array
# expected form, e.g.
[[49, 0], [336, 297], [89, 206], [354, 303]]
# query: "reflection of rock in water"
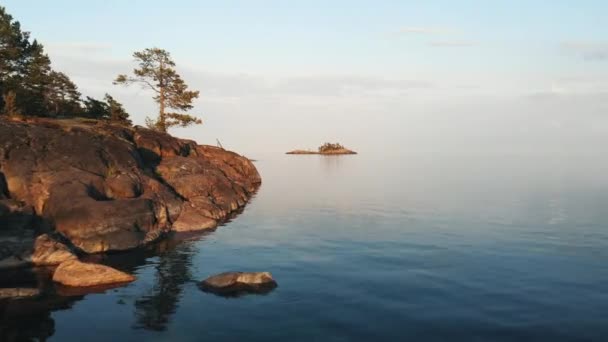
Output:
[[33, 327], [29, 319], [331, 164], [154, 309]]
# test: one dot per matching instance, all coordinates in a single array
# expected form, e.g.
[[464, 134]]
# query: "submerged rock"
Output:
[[234, 283], [15, 293], [79, 274]]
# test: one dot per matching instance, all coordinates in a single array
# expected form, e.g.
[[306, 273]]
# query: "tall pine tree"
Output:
[[157, 72]]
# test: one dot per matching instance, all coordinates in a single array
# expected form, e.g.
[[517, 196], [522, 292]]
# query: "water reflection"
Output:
[[154, 308], [332, 164], [30, 319]]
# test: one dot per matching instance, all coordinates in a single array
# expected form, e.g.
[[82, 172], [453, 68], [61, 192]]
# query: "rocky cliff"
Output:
[[99, 187]]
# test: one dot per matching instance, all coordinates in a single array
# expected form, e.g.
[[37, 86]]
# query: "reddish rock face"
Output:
[[105, 187]]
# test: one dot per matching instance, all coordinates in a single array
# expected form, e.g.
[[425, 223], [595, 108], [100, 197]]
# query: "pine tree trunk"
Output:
[[161, 115]]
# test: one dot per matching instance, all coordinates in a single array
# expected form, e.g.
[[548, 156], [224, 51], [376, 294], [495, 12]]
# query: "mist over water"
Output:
[[437, 248]]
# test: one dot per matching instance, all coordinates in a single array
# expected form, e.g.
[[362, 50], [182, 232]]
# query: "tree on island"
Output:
[[328, 147], [157, 72]]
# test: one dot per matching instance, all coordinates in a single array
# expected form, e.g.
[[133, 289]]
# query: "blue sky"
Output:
[[428, 75]]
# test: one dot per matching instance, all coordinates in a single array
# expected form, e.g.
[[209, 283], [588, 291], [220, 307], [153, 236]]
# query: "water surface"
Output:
[[430, 248]]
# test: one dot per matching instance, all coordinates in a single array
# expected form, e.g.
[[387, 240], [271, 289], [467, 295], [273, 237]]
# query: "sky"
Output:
[[452, 76]]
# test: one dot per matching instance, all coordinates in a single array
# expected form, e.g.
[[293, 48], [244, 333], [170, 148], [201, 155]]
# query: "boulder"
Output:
[[49, 252], [22, 248], [193, 219], [79, 274], [235, 283]]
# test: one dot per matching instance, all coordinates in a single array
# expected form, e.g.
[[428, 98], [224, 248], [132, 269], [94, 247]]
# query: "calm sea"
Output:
[[421, 248]]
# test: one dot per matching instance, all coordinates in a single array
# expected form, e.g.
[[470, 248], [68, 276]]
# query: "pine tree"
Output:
[[116, 111], [10, 105], [13, 43], [156, 72], [61, 95], [95, 109], [26, 70]]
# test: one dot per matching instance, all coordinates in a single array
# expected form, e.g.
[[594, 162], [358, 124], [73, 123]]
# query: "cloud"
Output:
[[595, 88], [590, 51], [77, 47], [424, 30], [453, 43], [94, 73], [453, 40], [348, 86]]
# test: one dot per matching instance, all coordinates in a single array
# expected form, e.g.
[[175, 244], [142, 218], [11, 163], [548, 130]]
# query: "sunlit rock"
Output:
[[76, 273]]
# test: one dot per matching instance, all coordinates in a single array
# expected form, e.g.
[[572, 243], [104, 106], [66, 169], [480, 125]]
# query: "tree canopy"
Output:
[[30, 87], [156, 72], [108, 109]]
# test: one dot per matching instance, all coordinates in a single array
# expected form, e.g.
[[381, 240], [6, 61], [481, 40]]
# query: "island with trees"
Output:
[[328, 149]]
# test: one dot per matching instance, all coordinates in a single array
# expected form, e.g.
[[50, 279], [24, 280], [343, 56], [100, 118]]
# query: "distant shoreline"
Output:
[[326, 153]]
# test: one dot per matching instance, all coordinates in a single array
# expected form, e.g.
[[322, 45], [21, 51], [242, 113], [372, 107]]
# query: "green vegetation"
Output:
[[156, 72], [30, 87], [329, 147], [108, 109]]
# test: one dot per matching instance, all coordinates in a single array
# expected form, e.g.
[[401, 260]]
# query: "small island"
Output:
[[326, 149]]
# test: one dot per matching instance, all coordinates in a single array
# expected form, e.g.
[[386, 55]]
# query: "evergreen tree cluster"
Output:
[[328, 147], [30, 87]]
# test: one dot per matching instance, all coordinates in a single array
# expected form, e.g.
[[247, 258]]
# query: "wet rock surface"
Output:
[[102, 187], [239, 283]]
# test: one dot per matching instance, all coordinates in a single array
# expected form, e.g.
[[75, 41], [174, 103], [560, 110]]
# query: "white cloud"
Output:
[[593, 89], [77, 48], [453, 43], [424, 30], [591, 51]]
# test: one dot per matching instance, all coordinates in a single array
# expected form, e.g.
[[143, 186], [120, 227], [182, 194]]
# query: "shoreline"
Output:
[[328, 153]]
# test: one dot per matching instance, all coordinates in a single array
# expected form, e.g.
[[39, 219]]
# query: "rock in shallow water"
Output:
[[14, 293], [80, 274], [235, 283]]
